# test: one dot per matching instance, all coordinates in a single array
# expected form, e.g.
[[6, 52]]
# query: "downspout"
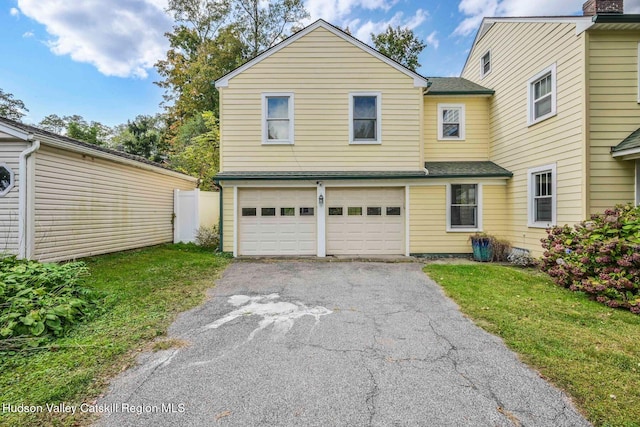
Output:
[[220, 219], [25, 233]]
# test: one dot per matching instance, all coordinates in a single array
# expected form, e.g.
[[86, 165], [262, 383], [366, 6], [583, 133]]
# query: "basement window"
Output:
[[7, 179]]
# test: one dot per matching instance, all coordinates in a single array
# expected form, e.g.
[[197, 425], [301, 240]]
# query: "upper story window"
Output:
[[542, 95], [542, 196], [451, 118], [485, 64], [277, 126], [7, 179], [365, 121], [464, 207]]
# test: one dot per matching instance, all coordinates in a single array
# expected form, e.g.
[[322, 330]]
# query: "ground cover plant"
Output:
[[141, 292], [600, 257], [588, 349]]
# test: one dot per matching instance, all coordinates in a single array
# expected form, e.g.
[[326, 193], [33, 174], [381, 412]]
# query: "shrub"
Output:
[[40, 299], [208, 237], [600, 257]]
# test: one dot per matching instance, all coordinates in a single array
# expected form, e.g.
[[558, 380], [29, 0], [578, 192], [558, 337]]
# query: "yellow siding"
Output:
[[476, 143], [321, 70], [9, 154], [228, 221], [519, 51], [86, 206], [428, 224], [613, 114]]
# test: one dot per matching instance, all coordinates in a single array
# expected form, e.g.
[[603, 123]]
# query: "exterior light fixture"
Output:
[[321, 200]]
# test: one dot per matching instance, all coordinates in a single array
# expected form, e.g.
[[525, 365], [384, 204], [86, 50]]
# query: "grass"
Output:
[[143, 292], [587, 349]]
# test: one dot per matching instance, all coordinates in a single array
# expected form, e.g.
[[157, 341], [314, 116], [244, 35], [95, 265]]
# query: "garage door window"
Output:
[[354, 211], [393, 211], [306, 211], [335, 211], [375, 211], [268, 211], [248, 211], [287, 211]]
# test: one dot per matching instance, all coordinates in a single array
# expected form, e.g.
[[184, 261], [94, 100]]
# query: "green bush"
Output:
[[600, 257], [40, 299], [208, 237]]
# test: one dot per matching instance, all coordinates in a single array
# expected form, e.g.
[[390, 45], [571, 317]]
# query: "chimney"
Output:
[[603, 7]]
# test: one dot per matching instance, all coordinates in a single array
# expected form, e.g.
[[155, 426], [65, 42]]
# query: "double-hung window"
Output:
[[542, 95], [365, 124], [277, 126], [451, 121], [485, 64], [464, 212], [542, 196]]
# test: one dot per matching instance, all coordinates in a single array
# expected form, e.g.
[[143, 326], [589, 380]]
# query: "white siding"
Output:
[[9, 154]]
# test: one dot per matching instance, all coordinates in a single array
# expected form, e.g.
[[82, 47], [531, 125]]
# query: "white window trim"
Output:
[[637, 182], [482, 73], [479, 203], [378, 139], [530, 199], [265, 132], [530, 88], [12, 179], [638, 70], [462, 109]]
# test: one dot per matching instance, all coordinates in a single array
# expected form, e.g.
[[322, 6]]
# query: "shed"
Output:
[[63, 199]]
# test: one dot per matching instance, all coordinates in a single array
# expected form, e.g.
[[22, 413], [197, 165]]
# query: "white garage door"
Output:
[[362, 221], [277, 221]]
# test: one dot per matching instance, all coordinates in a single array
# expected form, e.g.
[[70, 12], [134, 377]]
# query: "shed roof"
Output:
[[630, 145], [482, 169], [455, 86]]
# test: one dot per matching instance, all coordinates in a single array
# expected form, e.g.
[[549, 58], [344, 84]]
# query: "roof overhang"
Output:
[[15, 132], [630, 154], [418, 80]]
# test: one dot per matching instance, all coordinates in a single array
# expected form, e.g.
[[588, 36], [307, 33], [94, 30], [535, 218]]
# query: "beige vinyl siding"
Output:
[[320, 69], [428, 224], [613, 114], [87, 206], [476, 143], [10, 155], [228, 221], [519, 51]]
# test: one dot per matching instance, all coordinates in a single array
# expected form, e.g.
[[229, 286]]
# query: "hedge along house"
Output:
[[329, 147], [63, 199]]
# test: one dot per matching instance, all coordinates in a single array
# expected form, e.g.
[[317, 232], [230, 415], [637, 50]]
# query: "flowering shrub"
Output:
[[600, 257]]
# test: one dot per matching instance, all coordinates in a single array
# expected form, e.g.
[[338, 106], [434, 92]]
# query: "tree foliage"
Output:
[[143, 137], [11, 108], [401, 45], [93, 132]]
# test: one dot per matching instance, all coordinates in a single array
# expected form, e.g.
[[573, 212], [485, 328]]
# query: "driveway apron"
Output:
[[332, 344]]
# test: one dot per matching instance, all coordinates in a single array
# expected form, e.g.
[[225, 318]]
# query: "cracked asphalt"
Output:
[[388, 350]]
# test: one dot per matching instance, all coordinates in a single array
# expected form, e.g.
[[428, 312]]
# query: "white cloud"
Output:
[[28, 34], [362, 31], [432, 40], [120, 38], [14, 12]]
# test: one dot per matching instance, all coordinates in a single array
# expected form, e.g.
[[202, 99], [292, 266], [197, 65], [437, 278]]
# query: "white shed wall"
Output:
[[10, 154]]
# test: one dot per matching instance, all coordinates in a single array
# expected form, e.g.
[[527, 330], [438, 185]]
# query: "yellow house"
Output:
[[330, 148], [565, 114]]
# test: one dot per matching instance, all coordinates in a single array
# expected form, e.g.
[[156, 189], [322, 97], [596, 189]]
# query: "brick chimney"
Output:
[[601, 7]]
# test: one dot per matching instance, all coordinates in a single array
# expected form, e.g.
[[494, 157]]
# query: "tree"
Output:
[[401, 45], [54, 123], [143, 137], [93, 133], [11, 108], [263, 24]]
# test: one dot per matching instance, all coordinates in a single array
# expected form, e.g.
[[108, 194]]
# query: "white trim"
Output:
[[16, 133], [637, 182], [531, 120], [321, 235], [436, 182], [12, 179], [531, 223], [26, 189], [236, 222], [638, 72], [291, 111], [407, 218], [441, 108], [418, 80], [378, 139], [482, 73], [630, 152], [479, 205]]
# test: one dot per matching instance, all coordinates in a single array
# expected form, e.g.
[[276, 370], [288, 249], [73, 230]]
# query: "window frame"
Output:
[[637, 182], [462, 124], [531, 196], [552, 71], [483, 74], [638, 70], [378, 140], [479, 207], [265, 125], [12, 179]]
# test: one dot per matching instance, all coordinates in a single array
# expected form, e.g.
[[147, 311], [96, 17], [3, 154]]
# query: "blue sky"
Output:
[[95, 58]]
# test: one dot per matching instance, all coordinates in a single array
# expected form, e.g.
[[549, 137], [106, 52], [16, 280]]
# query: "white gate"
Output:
[[194, 209]]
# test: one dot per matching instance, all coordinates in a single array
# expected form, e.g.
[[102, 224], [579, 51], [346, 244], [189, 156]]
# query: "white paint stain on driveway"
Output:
[[280, 314]]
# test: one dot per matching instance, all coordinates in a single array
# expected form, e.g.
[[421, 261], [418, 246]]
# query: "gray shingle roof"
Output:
[[465, 170], [456, 86], [629, 143]]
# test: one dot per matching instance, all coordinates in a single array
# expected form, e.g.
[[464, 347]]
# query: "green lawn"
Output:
[[587, 349], [143, 292]]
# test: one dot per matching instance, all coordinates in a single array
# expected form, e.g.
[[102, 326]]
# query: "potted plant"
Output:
[[482, 247]]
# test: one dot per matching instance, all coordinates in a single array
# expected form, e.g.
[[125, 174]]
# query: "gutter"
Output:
[[25, 190]]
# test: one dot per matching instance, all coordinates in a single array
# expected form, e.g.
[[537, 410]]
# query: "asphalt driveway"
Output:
[[332, 344]]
